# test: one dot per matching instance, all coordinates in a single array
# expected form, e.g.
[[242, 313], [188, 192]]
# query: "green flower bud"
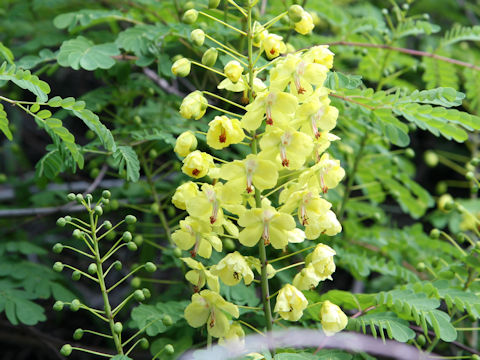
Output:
[[146, 293], [130, 219], [138, 295], [188, 5], [209, 57], [410, 153], [150, 267], [169, 349], [118, 327], [75, 305], [190, 16], [106, 194], [76, 275], [441, 188], [470, 175], [92, 269], [171, 211], [475, 161], [229, 245], [57, 248], [79, 198], [98, 210], [137, 120], [77, 234], [61, 222], [58, 266], [127, 236], [445, 203], [177, 252], [155, 208], [90, 135], [3, 178], [213, 4], [117, 265], [461, 238], [89, 197], [66, 350], [421, 266], [68, 218], [78, 334], [132, 246], [144, 343], [385, 11], [198, 37], [167, 320], [58, 306], [431, 159], [94, 173], [107, 225], [111, 235], [71, 197], [153, 154], [181, 67], [469, 166], [136, 282], [405, 7], [138, 239], [421, 340], [295, 13], [435, 233]]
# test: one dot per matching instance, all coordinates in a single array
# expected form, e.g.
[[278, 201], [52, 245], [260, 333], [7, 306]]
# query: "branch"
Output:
[[419, 330], [407, 51]]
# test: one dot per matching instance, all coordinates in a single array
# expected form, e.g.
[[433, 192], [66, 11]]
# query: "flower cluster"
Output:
[[286, 124]]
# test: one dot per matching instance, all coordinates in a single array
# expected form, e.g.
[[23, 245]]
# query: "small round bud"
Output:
[[469, 166], [188, 5], [58, 306], [475, 161], [130, 219], [385, 11], [426, 16], [155, 208], [117, 265], [181, 67], [58, 266], [153, 154], [94, 173], [105, 201], [377, 216], [167, 320], [107, 225], [61, 222], [198, 37], [410, 153], [76, 275], [3, 178], [118, 327], [421, 266], [138, 239], [78, 334], [144, 343], [98, 210], [461, 238], [213, 4], [229, 245], [66, 350], [190, 16], [71, 197], [445, 203], [405, 7], [75, 305], [137, 120], [132, 246], [136, 282], [233, 70], [106, 194], [470, 175], [435, 233], [169, 349], [474, 189], [431, 159], [92, 269], [57, 248], [295, 13], [150, 267], [209, 57], [421, 340], [89, 197], [177, 252], [171, 211], [146, 293], [441, 187], [111, 235], [77, 234], [138, 295], [127, 236]]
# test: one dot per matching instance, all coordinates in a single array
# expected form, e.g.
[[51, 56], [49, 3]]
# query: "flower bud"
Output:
[[132, 246], [127, 236], [136, 282], [76, 275], [71, 197], [431, 159], [177, 252], [66, 350], [184, 192], [92, 269], [333, 318], [193, 106], [61, 222], [138, 239], [169, 349], [150, 267], [167, 320], [118, 265], [197, 164], [78, 334], [146, 293], [118, 327], [233, 70], [435, 233], [209, 57], [138, 295], [181, 67], [89, 197], [58, 306], [106, 194], [185, 144], [107, 225], [198, 37], [79, 197], [77, 234], [58, 266], [295, 13], [470, 175], [144, 343], [75, 305], [57, 248], [98, 210], [305, 25], [68, 218], [190, 16], [445, 203], [213, 4], [130, 219]]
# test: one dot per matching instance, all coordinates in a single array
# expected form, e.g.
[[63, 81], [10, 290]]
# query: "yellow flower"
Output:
[[320, 55], [266, 223], [193, 106], [208, 307], [307, 279], [305, 25], [185, 144], [223, 132], [181, 67], [333, 318], [233, 70], [252, 171], [254, 262], [183, 193], [290, 303], [239, 86], [198, 276], [197, 164], [322, 143], [197, 235], [286, 147], [324, 175], [322, 261], [279, 108], [235, 333], [259, 34], [326, 224], [232, 268], [273, 46]]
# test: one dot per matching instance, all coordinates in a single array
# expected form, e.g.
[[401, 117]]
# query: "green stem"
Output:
[[223, 23]]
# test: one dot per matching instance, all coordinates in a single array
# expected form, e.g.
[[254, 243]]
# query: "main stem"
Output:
[[258, 203], [103, 288]]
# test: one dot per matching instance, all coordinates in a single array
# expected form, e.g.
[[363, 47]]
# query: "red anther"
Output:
[[272, 51], [223, 136], [285, 162], [269, 121], [195, 172], [301, 90], [249, 189], [193, 253], [212, 219]]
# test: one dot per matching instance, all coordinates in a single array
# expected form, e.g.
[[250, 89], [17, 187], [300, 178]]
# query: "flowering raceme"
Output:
[[274, 188]]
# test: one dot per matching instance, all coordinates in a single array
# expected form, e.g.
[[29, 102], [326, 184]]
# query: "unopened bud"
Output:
[[198, 37], [57, 248], [209, 57], [136, 282], [58, 306], [127, 236], [98, 210], [118, 327], [78, 334], [190, 16], [295, 13], [150, 267], [185, 143], [92, 269], [132, 246], [71, 197], [66, 350], [169, 349], [130, 219], [181, 67], [213, 4], [61, 222], [167, 320], [431, 159], [138, 295], [75, 305], [233, 70], [435, 233], [76, 275], [58, 266]]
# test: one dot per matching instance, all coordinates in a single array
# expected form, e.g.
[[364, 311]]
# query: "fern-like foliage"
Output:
[[439, 73], [460, 33]]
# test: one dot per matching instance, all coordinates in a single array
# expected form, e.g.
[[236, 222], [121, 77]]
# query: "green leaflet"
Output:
[[416, 27], [139, 38], [337, 80], [460, 33], [4, 123], [152, 316], [50, 165], [83, 53], [126, 160], [18, 306], [85, 18], [25, 80], [439, 73], [388, 322], [55, 127]]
